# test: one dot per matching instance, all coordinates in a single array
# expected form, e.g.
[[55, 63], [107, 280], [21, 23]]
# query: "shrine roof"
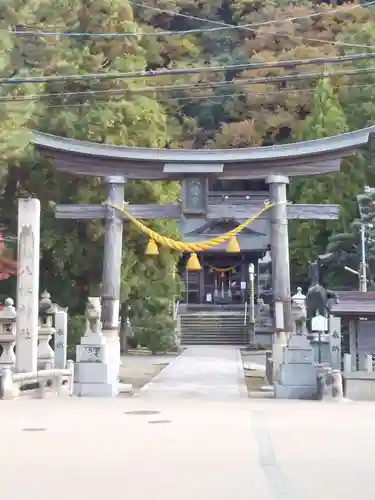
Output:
[[299, 158], [354, 303], [293, 150]]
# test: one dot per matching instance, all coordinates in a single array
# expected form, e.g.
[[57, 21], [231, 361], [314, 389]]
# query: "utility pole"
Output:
[[362, 274], [251, 305], [363, 267]]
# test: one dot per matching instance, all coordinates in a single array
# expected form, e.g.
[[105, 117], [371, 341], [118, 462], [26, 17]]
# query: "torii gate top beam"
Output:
[[301, 158]]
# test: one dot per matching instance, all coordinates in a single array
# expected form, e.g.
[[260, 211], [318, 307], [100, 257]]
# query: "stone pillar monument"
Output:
[[111, 278], [61, 336], [280, 265], [28, 284], [334, 331]]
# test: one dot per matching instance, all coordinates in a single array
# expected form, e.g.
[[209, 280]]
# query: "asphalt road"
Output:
[[91, 449]]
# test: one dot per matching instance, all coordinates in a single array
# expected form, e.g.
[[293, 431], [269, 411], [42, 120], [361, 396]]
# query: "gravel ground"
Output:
[[255, 378], [138, 369]]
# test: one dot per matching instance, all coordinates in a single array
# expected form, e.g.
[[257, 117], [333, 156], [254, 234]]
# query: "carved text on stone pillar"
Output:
[[25, 281]]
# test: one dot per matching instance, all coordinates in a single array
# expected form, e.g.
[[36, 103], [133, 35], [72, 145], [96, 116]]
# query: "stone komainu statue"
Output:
[[93, 313], [317, 296]]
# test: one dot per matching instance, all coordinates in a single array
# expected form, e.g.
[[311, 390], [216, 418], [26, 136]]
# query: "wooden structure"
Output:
[[203, 208], [357, 312]]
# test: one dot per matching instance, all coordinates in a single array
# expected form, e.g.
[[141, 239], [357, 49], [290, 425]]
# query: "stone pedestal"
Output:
[[96, 370], [95, 375], [297, 374]]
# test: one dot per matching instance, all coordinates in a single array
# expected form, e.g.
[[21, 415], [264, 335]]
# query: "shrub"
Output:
[[153, 325], [76, 328]]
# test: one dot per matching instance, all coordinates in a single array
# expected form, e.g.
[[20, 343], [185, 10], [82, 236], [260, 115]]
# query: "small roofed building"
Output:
[[357, 312]]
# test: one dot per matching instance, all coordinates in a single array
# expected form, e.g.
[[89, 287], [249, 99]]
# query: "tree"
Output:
[[347, 245], [17, 59], [233, 113], [309, 238], [357, 99], [266, 114], [357, 92], [72, 251], [327, 116]]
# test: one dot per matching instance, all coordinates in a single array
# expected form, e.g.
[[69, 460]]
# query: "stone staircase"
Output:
[[218, 326]]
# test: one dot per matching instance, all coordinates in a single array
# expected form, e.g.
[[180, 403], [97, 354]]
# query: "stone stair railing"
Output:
[[359, 385], [8, 317], [11, 382]]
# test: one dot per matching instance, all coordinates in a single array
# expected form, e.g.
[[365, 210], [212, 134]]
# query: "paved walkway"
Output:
[[88, 449], [201, 372]]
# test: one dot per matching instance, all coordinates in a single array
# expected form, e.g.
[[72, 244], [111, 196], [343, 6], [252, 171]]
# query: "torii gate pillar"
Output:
[[280, 265], [111, 273]]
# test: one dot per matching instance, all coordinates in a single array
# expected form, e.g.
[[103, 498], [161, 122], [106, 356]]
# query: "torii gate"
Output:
[[193, 168]]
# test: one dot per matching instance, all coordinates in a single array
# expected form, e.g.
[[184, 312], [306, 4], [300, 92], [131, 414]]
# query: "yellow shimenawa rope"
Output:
[[182, 246], [222, 270]]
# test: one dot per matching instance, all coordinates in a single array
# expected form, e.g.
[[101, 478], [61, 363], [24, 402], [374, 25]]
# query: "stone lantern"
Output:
[[46, 355], [8, 335]]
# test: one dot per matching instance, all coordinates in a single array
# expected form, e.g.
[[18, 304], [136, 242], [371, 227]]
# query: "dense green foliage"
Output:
[[17, 57], [212, 110], [346, 246], [71, 251]]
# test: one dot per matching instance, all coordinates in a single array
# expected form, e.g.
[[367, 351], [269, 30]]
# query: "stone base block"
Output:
[[93, 373], [96, 380], [297, 374], [96, 390], [295, 391], [360, 386]]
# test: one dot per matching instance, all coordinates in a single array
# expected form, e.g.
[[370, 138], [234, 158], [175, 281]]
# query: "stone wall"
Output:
[[360, 386]]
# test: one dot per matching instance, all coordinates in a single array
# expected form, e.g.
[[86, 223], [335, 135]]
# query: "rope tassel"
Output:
[[152, 248], [233, 246], [193, 263]]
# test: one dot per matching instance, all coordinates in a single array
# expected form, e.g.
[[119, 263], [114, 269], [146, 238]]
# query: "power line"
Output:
[[122, 93], [266, 80], [192, 31], [257, 31], [205, 98], [291, 63], [281, 91], [201, 85]]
